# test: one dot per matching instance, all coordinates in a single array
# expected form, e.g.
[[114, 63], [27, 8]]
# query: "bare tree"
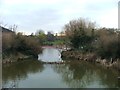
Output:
[[2, 24], [79, 25], [13, 28]]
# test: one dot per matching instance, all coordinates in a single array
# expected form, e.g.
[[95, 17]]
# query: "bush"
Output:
[[7, 40], [26, 45], [108, 45]]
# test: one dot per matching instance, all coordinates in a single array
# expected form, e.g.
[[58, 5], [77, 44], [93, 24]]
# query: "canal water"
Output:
[[33, 74]]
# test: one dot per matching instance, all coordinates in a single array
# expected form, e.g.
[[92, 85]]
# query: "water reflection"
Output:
[[85, 75], [33, 74], [19, 71]]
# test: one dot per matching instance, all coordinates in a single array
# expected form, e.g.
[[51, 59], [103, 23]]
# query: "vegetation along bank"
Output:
[[101, 45]]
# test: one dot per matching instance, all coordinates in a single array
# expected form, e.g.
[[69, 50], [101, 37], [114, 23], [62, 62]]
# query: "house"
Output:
[[0, 40], [5, 30]]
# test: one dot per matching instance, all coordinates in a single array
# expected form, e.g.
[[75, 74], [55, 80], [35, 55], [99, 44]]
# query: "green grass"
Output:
[[56, 42]]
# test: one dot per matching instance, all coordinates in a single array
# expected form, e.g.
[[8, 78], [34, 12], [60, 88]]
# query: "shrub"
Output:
[[19, 43], [108, 45]]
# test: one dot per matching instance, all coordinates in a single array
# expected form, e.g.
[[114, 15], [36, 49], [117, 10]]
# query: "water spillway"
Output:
[[50, 55]]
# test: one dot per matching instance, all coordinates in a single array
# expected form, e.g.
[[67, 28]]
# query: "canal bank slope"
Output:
[[90, 57]]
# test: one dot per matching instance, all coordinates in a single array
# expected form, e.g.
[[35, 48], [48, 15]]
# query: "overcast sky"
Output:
[[52, 15]]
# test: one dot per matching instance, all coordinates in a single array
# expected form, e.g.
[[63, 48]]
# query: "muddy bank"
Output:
[[8, 59], [90, 57]]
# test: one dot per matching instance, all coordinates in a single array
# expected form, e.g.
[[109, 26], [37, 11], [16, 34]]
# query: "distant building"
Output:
[[59, 34]]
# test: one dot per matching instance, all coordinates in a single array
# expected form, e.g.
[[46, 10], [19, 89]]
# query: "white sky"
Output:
[[52, 15]]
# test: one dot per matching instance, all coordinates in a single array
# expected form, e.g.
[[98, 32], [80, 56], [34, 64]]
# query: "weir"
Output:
[[61, 62]]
